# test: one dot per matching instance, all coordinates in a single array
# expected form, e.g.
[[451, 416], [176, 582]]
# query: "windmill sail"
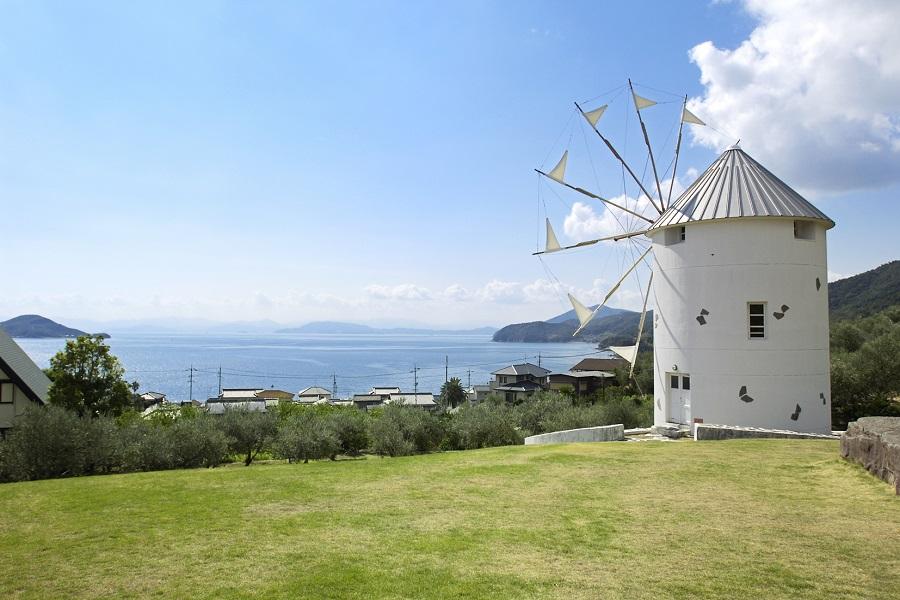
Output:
[[594, 115], [558, 172], [552, 242], [583, 313], [637, 342], [626, 352], [689, 117], [641, 103], [614, 238], [590, 314]]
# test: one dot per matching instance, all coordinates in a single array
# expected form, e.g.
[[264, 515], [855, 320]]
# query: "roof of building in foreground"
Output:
[[736, 186], [22, 370]]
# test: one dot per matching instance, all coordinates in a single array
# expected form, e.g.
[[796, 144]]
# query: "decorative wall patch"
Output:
[[784, 309], [702, 317], [822, 396], [796, 414], [743, 394], [818, 284]]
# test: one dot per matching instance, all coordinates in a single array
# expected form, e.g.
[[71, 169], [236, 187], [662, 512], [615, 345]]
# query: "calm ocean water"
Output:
[[161, 362]]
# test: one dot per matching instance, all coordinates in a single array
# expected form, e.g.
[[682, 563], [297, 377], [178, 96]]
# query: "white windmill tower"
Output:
[[738, 277]]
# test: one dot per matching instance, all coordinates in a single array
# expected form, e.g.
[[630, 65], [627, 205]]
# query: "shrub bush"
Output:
[[351, 427], [482, 426], [306, 436], [248, 432]]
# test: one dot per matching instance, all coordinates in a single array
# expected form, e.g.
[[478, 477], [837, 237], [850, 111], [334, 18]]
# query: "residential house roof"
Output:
[[239, 393], [586, 374], [216, 407], [273, 394], [523, 369], [520, 386], [22, 370], [314, 391], [418, 399], [384, 390], [600, 364]]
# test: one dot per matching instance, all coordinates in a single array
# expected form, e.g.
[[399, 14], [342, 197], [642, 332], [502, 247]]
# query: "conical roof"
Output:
[[736, 186]]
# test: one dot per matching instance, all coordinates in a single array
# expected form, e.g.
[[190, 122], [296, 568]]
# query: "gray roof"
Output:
[[523, 369], [314, 391], [22, 370], [586, 374], [736, 186]]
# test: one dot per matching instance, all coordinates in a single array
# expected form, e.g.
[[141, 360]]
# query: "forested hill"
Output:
[[865, 294], [613, 329], [36, 326]]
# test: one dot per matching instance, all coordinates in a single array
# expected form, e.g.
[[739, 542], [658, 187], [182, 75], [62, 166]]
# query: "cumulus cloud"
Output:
[[590, 221], [814, 92], [404, 291]]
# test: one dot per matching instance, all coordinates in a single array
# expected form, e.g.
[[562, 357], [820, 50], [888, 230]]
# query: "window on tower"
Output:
[[756, 319], [675, 235], [804, 230]]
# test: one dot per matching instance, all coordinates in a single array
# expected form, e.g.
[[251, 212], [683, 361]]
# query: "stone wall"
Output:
[[729, 432], [606, 433], [874, 442]]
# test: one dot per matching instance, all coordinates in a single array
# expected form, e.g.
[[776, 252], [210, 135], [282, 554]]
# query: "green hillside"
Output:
[[865, 294], [643, 520]]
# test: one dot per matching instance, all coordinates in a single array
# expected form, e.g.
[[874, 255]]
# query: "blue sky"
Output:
[[372, 161]]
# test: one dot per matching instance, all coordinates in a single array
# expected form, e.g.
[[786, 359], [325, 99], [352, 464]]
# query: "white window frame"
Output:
[[804, 231], [675, 235], [765, 307]]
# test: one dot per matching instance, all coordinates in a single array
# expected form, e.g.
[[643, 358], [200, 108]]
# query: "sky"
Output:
[[373, 161]]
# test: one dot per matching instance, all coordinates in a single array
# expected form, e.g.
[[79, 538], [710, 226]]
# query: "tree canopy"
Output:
[[88, 379]]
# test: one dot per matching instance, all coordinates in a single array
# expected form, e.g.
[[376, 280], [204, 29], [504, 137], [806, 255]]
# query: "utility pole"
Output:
[[539, 359], [220, 380], [333, 387], [446, 368], [191, 379], [470, 379], [415, 380]]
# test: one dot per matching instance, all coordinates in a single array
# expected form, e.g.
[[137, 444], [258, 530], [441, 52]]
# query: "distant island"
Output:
[[337, 327], [36, 326]]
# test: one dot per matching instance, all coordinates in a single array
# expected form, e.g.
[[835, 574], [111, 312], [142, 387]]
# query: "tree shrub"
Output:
[[351, 427], [484, 425], [248, 432], [306, 436]]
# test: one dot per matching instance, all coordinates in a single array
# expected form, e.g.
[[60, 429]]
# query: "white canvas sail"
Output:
[[559, 171], [689, 117], [583, 313], [552, 242], [594, 115], [641, 103], [626, 352]]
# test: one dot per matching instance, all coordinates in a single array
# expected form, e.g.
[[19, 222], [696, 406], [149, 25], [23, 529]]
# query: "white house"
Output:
[[741, 296], [22, 383], [313, 395]]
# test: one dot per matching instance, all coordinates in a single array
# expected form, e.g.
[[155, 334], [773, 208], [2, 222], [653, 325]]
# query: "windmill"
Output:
[[737, 271]]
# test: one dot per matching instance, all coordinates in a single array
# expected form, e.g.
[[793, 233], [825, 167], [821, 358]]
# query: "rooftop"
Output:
[[737, 186], [523, 369]]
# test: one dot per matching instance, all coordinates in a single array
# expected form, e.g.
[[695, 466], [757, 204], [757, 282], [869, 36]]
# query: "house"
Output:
[[384, 391], [517, 382], [273, 394], [478, 393], [216, 406], [22, 383], [582, 382], [367, 401], [423, 400], [152, 398], [314, 395]]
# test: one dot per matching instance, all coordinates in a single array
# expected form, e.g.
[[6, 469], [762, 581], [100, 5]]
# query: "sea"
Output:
[[187, 366]]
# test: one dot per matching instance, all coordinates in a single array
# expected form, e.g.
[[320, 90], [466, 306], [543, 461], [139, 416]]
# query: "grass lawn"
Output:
[[736, 519]]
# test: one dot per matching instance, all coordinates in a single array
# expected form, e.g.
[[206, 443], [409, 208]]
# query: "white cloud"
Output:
[[404, 291], [813, 93]]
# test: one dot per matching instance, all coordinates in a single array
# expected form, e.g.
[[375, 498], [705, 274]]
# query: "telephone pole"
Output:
[[220, 380], [470, 379], [191, 385], [333, 387], [415, 380], [446, 368]]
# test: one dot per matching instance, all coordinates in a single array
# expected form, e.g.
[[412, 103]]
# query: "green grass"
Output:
[[738, 519]]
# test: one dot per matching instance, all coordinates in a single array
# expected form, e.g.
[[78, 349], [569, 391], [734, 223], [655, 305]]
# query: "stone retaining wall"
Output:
[[704, 431], [606, 433], [874, 442]]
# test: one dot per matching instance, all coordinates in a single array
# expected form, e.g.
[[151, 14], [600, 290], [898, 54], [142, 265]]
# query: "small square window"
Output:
[[685, 382], [756, 313], [6, 393], [804, 230], [675, 235], [674, 379]]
